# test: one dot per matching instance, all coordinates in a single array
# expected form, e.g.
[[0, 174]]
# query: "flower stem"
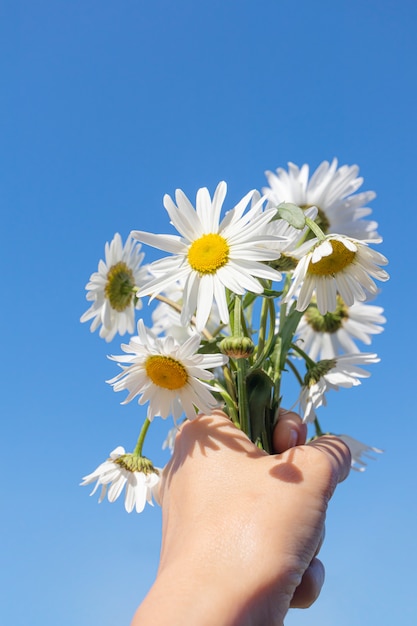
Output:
[[316, 229], [295, 371], [141, 439], [317, 426], [262, 326], [241, 371], [307, 359]]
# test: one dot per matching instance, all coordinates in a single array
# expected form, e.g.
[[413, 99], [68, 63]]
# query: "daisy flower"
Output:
[[121, 470], [343, 371], [209, 255], [334, 265], [332, 191], [167, 320], [289, 239], [112, 289], [326, 336], [170, 376], [358, 450]]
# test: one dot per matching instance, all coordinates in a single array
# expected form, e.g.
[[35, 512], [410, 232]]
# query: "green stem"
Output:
[[231, 404], [278, 361], [316, 229], [307, 359], [237, 317], [317, 426], [277, 375], [141, 439], [241, 371], [262, 328], [263, 354], [295, 372]]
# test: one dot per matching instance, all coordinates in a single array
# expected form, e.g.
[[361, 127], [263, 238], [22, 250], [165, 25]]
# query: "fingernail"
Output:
[[293, 438]]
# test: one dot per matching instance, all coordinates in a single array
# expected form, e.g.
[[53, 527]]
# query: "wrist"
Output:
[[183, 595]]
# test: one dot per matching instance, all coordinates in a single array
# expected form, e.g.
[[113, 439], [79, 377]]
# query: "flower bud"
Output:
[[237, 347]]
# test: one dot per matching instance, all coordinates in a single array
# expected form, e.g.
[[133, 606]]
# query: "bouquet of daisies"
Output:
[[278, 284]]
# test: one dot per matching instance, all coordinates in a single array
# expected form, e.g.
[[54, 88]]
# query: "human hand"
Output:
[[241, 529]]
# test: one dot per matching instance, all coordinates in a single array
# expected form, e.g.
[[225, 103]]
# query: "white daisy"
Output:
[[167, 320], [335, 265], [211, 256], [358, 450], [112, 289], [170, 376], [289, 239], [326, 336], [332, 191], [138, 474], [343, 371]]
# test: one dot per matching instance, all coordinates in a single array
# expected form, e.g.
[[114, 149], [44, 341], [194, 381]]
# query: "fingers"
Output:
[[289, 431], [337, 455], [309, 589]]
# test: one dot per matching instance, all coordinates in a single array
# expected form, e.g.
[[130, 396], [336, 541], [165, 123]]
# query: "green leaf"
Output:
[[287, 333], [292, 214], [259, 390]]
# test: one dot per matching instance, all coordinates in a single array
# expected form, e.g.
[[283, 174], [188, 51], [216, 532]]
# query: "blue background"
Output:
[[105, 106]]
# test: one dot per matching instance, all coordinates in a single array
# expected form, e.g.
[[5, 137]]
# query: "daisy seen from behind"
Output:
[[359, 451], [332, 190], [112, 289], [130, 471], [210, 255], [326, 336], [343, 371], [172, 377], [335, 265]]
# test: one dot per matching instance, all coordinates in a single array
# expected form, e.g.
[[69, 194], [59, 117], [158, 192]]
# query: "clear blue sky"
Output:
[[105, 106]]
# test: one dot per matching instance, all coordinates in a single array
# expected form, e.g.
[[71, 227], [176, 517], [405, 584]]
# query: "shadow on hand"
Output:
[[214, 432]]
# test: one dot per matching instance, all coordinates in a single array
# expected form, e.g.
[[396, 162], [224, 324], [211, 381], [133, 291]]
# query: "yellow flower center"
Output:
[[119, 286], [166, 372], [208, 254], [335, 262]]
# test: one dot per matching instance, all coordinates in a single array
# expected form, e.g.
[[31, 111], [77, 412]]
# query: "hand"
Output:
[[241, 529]]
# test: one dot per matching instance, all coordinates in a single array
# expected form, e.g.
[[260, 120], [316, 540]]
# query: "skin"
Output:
[[241, 529]]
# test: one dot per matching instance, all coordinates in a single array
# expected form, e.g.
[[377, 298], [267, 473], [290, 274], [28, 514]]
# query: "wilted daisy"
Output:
[[170, 376], [112, 289], [343, 371], [335, 265], [211, 256], [121, 470], [332, 191], [326, 336], [358, 451]]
